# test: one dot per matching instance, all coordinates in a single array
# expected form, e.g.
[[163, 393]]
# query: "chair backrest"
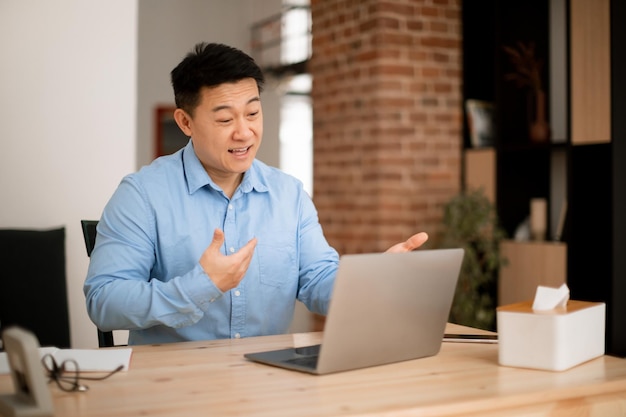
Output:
[[89, 233], [33, 284], [105, 339]]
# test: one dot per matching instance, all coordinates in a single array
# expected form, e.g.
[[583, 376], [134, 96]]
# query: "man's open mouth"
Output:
[[239, 151]]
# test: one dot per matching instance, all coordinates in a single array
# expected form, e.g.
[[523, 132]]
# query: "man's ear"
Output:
[[183, 120]]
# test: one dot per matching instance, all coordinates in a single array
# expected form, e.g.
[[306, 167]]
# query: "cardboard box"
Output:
[[554, 340]]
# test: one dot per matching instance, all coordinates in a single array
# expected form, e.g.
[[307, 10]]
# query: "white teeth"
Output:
[[240, 150]]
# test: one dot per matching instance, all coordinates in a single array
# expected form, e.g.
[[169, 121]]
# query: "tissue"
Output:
[[548, 298]]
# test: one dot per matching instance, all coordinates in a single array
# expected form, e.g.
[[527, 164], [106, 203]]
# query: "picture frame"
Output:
[[480, 122], [169, 137], [32, 395]]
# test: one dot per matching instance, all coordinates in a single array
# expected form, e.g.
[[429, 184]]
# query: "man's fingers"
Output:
[[249, 247], [218, 240], [416, 240], [410, 244], [226, 271], [244, 255]]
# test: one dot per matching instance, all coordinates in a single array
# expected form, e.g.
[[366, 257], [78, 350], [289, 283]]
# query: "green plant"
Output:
[[470, 221]]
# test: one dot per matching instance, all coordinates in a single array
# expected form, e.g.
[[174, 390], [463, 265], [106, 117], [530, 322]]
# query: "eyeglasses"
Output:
[[67, 374]]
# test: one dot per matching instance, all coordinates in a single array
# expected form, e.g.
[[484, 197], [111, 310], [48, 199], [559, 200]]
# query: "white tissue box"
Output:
[[554, 340]]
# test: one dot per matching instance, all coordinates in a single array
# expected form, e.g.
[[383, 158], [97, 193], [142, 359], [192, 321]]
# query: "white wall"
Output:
[[67, 105]]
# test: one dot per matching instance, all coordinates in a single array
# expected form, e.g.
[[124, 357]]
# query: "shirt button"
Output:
[[230, 207], [237, 293], [237, 335], [231, 249]]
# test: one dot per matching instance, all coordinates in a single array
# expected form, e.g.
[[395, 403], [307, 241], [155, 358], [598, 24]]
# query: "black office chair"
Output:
[[105, 339], [33, 284]]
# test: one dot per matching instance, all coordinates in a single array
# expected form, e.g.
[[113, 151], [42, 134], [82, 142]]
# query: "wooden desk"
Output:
[[213, 379]]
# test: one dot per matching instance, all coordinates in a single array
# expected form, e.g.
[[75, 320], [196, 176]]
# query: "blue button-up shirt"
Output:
[[144, 274]]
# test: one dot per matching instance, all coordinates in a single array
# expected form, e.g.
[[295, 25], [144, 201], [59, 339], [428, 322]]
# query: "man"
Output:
[[209, 242]]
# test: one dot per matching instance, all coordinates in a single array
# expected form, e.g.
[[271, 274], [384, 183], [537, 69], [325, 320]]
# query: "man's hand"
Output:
[[226, 272], [411, 243]]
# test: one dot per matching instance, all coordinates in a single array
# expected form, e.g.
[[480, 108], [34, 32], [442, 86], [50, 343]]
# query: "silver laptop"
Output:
[[386, 307]]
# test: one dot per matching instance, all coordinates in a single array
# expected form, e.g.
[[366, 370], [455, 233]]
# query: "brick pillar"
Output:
[[387, 118]]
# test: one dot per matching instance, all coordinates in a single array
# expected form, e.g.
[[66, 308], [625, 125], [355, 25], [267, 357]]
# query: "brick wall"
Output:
[[387, 118]]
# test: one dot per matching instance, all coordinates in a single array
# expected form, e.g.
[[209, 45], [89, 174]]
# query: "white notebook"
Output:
[[89, 360]]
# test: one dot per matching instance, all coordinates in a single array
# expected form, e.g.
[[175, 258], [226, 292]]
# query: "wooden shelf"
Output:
[[590, 71], [528, 265], [480, 171]]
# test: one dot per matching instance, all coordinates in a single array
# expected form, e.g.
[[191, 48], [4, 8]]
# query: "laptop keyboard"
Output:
[[305, 361]]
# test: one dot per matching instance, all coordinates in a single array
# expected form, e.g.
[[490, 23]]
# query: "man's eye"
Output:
[[224, 121], [254, 113]]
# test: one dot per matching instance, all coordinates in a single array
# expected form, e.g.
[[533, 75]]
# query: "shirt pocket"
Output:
[[277, 261]]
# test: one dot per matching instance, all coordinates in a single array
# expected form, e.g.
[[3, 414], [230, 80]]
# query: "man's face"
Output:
[[226, 129]]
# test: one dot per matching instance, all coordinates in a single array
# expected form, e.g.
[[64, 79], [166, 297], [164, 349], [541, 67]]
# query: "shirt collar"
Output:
[[197, 177]]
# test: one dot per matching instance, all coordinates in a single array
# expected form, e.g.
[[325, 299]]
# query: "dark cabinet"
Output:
[[577, 44]]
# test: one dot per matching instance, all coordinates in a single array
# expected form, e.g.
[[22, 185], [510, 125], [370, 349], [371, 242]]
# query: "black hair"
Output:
[[209, 65]]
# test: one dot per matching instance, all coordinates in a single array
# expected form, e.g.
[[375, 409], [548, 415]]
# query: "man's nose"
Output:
[[243, 129]]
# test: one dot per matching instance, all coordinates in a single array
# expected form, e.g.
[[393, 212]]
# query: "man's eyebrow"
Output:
[[225, 106]]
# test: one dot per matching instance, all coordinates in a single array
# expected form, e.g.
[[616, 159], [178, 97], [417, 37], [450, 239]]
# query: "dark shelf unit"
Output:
[[617, 306], [523, 167], [595, 175]]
